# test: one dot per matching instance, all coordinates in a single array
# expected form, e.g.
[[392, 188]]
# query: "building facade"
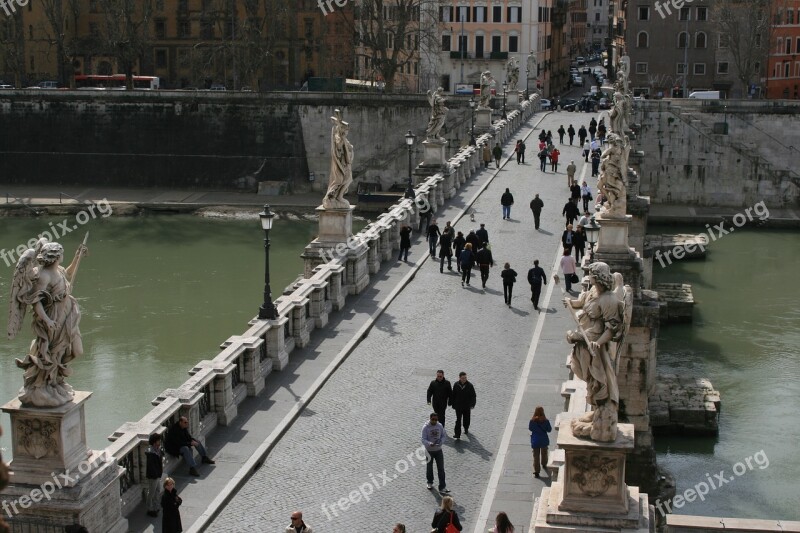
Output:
[[783, 69], [597, 24]]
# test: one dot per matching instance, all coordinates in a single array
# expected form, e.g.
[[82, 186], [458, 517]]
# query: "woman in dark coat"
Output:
[[466, 260], [170, 502], [509, 276], [405, 243], [458, 245], [579, 243]]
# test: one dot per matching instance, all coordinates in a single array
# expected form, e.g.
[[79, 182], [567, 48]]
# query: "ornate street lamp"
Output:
[[505, 87], [410, 143], [267, 310], [472, 105], [592, 233]]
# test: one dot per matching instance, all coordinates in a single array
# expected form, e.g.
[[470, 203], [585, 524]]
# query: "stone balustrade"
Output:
[[216, 387]]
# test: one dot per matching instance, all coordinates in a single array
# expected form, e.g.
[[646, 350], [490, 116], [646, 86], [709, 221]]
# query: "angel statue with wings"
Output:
[[438, 114], [42, 283], [341, 175], [603, 316]]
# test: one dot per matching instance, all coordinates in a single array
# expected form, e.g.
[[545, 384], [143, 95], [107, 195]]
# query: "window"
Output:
[[514, 14], [497, 13], [497, 43], [184, 29], [462, 43], [644, 13], [597, 17], [699, 69], [797, 46], [462, 14], [161, 58], [790, 16], [642, 40], [641, 68], [683, 40], [446, 40], [681, 69], [159, 5], [479, 14], [684, 14], [161, 29], [479, 46], [786, 68], [788, 45], [722, 67], [700, 40], [779, 48], [513, 43], [446, 14], [207, 30], [724, 40], [757, 40], [702, 13]]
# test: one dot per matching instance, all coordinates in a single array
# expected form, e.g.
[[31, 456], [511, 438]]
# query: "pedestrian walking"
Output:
[[425, 218], [522, 148], [542, 135], [498, 153], [536, 277], [579, 243], [170, 503], [586, 150], [571, 169], [507, 200], [594, 146], [405, 242], [549, 137], [586, 195], [485, 262], [517, 151], [561, 133], [432, 439], [575, 192], [463, 401], [570, 212], [592, 129], [154, 471], [586, 219], [509, 276], [487, 155], [582, 134], [180, 443], [601, 132], [543, 159], [298, 525], [438, 395], [571, 134], [568, 268], [539, 427], [554, 158], [458, 245], [474, 240], [536, 207], [433, 235], [596, 163], [444, 517], [483, 236], [567, 238], [466, 260], [446, 249], [502, 524]]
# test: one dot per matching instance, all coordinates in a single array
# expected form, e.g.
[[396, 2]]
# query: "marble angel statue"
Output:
[[487, 82], [438, 114], [513, 74], [603, 315], [43, 284], [612, 181], [341, 175]]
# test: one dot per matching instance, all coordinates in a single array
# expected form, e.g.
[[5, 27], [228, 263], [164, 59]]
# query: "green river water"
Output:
[[160, 293]]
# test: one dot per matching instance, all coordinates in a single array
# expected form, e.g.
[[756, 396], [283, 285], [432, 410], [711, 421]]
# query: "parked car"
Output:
[[604, 104], [545, 103], [218, 87], [568, 104], [580, 60], [586, 104], [577, 80], [587, 70]]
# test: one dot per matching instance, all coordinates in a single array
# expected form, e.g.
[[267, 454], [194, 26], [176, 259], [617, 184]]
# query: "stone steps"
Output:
[[676, 302], [684, 405], [677, 246]]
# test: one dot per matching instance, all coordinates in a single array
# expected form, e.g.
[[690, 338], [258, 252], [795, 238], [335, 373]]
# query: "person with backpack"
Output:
[[509, 276], [445, 520], [536, 277]]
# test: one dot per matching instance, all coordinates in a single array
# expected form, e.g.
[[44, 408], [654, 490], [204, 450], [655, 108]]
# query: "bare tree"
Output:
[[61, 14], [127, 32], [12, 48], [745, 28]]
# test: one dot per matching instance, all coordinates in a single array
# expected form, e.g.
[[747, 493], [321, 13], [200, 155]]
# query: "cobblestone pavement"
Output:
[[350, 462]]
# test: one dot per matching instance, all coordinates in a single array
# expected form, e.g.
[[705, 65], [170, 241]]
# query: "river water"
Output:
[[746, 339], [157, 294]]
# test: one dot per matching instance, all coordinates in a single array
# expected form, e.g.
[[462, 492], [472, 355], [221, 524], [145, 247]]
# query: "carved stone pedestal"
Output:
[[483, 120], [335, 229], [434, 154], [614, 249], [56, 478], [512, 100], [591, 494]]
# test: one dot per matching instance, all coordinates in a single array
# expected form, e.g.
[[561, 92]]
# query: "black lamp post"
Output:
[[472, 129], [592, 233], [410, 143], [505, 87], [267, 310]]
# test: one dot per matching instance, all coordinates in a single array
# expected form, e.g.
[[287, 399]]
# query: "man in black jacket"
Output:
[[485, 261], [439, 392], [507, 200], [536, 276], [180, 443], [570, 211], [463, 401], [536, 206]]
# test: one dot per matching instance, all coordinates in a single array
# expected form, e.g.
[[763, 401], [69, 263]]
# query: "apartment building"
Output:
[[783, 69], [597, 24]]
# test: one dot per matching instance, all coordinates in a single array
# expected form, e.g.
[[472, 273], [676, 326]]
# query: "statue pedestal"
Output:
[[512, 99], [483, 120], [55, 477], [613, 247], [335, 225], [434, 154], [591, 494]]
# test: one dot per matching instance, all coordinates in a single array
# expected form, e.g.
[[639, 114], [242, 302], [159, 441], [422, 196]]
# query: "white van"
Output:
[[705, 95]]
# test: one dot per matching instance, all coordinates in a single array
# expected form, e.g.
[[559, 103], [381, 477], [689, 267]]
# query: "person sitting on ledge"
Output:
[[179, 443]]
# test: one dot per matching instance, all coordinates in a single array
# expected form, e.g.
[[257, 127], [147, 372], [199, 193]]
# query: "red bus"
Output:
[[114, 82]]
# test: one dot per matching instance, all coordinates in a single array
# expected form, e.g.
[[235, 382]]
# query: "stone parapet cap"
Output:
[[624, 441]]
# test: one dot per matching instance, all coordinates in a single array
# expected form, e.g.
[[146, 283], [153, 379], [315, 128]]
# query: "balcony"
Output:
[[498, 55], [479, 55]]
